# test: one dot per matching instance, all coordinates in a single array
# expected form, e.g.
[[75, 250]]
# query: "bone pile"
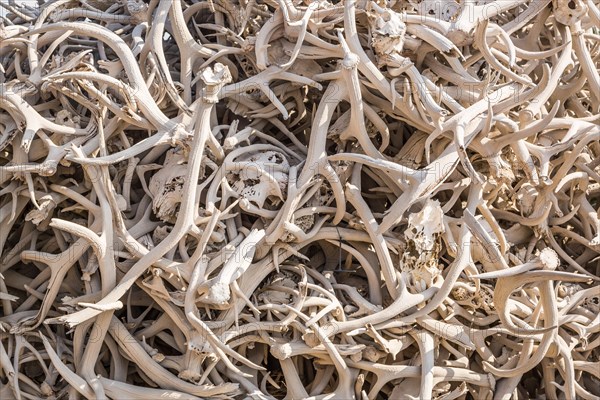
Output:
[[270, 199]]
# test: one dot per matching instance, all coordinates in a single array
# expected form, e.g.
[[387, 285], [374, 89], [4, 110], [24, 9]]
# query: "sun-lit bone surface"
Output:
[[276, 199]]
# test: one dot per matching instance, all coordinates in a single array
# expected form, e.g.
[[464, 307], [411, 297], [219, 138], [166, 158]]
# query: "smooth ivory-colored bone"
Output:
[[299, 199]]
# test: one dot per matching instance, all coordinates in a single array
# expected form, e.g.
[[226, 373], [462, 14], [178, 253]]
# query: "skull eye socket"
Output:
[[572, 5]]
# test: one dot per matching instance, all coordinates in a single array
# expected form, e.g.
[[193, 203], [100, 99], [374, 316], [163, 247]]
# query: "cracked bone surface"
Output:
[[292, 199]]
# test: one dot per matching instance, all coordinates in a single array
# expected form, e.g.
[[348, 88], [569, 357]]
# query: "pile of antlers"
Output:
[[290, 199]]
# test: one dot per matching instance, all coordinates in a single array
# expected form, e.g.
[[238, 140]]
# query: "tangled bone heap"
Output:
[[293, 199]]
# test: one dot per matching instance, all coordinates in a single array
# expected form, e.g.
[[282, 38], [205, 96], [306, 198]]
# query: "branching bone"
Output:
[[296, 199]]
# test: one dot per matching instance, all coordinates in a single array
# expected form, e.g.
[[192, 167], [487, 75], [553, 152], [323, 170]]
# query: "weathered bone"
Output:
[[296, 199]]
